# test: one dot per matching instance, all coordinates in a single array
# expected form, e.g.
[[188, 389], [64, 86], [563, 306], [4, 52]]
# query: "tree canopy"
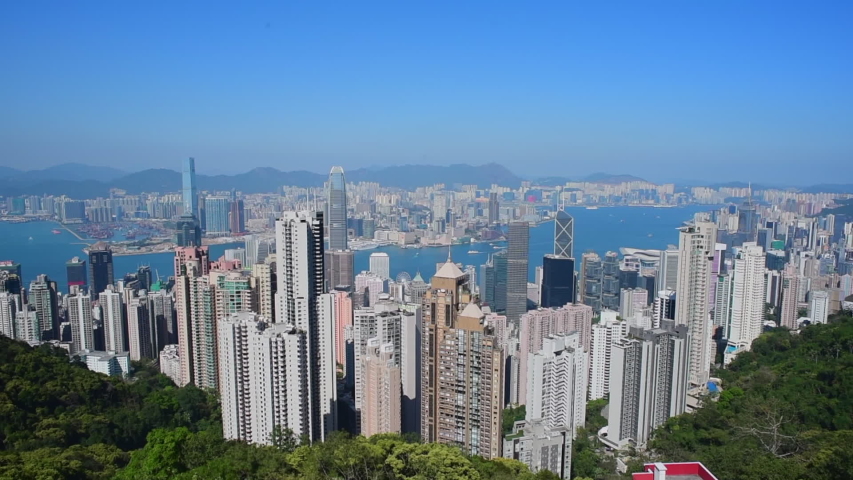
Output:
[[786, 411]]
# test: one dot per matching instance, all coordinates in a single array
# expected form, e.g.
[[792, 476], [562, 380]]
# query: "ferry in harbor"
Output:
[[56, 232]]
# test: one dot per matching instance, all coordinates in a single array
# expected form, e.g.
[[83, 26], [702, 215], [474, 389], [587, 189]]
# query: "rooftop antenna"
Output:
[[449, 260]]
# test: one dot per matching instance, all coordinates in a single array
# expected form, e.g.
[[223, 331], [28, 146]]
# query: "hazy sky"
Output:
[[717, 90]]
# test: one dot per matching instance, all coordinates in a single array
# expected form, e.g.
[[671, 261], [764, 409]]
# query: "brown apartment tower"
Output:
[[462, 369]]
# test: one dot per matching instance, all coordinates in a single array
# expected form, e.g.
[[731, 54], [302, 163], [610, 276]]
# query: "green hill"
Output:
[[58, 420], [786, 411]]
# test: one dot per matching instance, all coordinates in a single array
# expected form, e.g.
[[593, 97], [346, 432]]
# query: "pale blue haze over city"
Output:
[[716, 91]]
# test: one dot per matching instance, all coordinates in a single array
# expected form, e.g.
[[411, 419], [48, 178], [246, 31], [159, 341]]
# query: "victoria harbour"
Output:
[[39, 251]]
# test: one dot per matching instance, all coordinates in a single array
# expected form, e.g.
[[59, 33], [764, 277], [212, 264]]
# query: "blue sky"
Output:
[[717, 90]]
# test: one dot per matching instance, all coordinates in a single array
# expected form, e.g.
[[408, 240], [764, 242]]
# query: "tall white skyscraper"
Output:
[[747, 300], [300, 302], [695, 256], [80, 317], [380, 264], [557, 382], [111, 314], [604, 335], [262, 378], [648, 383], [819, 306]]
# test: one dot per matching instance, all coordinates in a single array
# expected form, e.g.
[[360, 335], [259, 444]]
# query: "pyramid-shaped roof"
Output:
[[449, 270]]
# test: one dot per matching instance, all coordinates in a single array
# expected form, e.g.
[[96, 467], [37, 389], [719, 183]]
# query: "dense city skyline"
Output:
[[753, 90]]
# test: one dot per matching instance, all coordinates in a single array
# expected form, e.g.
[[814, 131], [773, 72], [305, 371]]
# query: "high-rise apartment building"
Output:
[[141, 328], [112, 316], [339, 269], [79, 308], [590, 280], [262, 275], [818, 306], [648, 383], [194, 303], [536, 325], [610, 285], [381, 403], [264, 386], [632, 301], [337, 209], [790, 304], [43, 298], [557, 386], [604, 335], [380, 264], [668, 271], [696, 253], [237, 217], [564, 234], [558, 281], [746, 319], [162, 311], [371, 285], [100, 268], [216, 213], [187, 231], [517, 255], [494, 209], [300, 302], [343, 319], [462, 409], [188, 189], [234, 293]]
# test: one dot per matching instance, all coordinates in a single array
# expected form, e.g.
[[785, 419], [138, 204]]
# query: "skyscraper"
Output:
[[237, 217], [187, 231], [337, 209], [80, 317], [747, 301], [558, 281], [696, 253], [604, 335], [75, 271], [112, 316], [141, 328], [262, 374], [818, 306], [100, 268], [590, 281], [216, 212], [517, 258], [188, 188], [494, 208], [194, 303], [610, 290], [380, 264], [648, 383], [564, 234], [381, 404], [43, 297], [464, 408], [339, 269], [790, 287], [536, 325], [300, 302]]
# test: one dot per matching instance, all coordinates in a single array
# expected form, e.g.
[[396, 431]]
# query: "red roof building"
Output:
[[675, 471]]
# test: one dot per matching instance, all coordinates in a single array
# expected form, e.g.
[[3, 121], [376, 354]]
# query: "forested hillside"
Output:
[[786, 411], [58, 420]]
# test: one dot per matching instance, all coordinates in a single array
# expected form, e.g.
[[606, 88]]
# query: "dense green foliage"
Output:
[[786, 411], [58, 420], [510, 416]]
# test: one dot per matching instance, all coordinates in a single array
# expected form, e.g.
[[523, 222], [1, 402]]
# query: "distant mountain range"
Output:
[[86, 181]]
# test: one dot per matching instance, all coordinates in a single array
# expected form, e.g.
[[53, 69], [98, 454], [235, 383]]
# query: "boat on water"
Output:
[[31, 239], [472, 252], [592, 208], [497, 246], [56, 232]]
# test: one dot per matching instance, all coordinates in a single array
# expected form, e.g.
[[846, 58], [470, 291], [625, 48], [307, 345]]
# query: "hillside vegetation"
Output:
[[58, 420], [786, 411]]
